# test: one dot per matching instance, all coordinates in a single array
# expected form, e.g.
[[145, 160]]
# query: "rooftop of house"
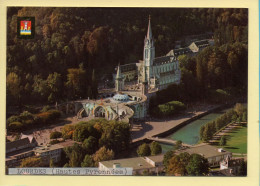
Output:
[[61, 145], [205, 150], [17, 143], [47, 148], [30, 137], [157, 158], [135, 163]]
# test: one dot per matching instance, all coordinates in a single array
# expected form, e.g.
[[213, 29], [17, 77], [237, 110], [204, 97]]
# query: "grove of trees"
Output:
[[237, 114], [146, 150], [168, 109], [27, 120], [185, 164], [97, 140], [74, 47]]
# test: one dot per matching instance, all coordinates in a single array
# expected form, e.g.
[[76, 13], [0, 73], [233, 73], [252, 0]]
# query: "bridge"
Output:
[[166, 141]]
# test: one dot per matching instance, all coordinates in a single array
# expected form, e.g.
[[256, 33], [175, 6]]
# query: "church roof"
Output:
[[128, 67], [161, 60], [179, 51]]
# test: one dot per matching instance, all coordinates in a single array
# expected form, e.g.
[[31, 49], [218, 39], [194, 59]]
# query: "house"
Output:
[[231, 166], [19, 149], [53, 151], [211, 153], [152, 164]]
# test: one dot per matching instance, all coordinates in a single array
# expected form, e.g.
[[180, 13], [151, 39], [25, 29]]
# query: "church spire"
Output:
[[149, 31], [118, 75]]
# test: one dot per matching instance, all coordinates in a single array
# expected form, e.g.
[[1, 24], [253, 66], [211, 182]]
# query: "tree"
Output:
[[244, 117], [94, 87], [206, 133], [242, 171], [13, 85], [88, 161], [55, 135], [90, 145], [76, 82], [75, 154], [156, 148], [177, 164], [197, 166], [240, 109], [103, 154], [67, 131], [166, 158], [144, 150], [115, 135], [32, 162], [223, 141], [54, 83], [178, 144]]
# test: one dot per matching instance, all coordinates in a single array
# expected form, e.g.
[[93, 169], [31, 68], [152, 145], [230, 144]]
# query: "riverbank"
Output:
[[163, 128]]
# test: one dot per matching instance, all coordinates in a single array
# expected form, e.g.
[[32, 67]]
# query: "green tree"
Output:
[[75, 154], [55, 135], [90, 145], [54, 83], [197, 166], [240, 109], [167, 156], [223, 141], [244, 117], [94, 87], [156, 148], [88, 161], [178, 144], [115, 135], [13, 85], [144, 150], [206, 133]]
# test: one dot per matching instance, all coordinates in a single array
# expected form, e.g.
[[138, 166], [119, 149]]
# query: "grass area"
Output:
[[237, 140]]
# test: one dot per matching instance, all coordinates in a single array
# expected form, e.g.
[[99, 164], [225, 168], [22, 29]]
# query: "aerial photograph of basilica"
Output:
[[160, 90]]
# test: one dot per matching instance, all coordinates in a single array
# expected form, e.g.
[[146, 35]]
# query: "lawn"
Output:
[[237, 140]]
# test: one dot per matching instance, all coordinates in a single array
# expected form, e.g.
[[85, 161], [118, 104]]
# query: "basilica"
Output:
[[127, 102], [159, 72]]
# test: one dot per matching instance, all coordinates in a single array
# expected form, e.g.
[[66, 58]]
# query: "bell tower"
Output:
[[119, 80], [149, 51]]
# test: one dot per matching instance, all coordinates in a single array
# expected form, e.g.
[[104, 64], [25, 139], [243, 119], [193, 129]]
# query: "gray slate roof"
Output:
[[17, 143], [161, 60]]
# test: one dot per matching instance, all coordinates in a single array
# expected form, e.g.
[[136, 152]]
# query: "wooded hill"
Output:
[[74, 47]]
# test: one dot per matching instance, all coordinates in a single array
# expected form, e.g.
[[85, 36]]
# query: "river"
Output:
[[189, 134]]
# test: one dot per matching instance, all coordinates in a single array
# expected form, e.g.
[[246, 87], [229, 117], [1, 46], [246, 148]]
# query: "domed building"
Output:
[[125, 103]]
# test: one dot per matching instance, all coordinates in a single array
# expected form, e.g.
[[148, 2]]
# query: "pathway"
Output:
[[167, 141], [153, 127]]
